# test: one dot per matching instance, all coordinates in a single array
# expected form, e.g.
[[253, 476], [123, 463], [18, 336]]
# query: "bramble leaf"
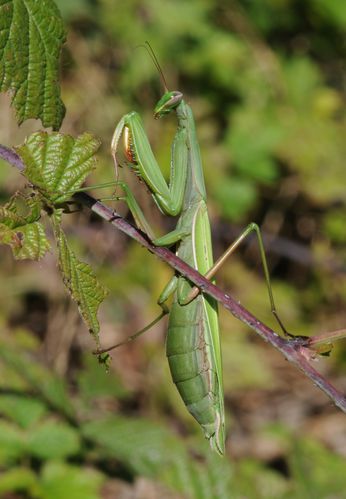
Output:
[[58, 164], [20, 229], [21, 479], [141, 445], [31, 36], [20, 210], [22, 409], [12, 442], [61, 480], [35, 242], [80, 279], [22, 372], [52, 439]]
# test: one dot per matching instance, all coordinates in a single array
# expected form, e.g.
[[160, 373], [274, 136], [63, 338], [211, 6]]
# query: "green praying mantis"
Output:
[[193, 337]]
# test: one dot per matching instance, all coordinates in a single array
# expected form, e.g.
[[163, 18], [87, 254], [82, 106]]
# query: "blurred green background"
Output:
[[266, 82]]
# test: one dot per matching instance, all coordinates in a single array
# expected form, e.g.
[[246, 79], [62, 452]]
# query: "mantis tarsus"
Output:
[[193, 343]]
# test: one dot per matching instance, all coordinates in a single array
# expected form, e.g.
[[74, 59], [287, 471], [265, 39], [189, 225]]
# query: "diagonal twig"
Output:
[[295, 350]]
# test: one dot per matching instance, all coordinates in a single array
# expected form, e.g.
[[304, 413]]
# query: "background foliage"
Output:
[[266, 83]]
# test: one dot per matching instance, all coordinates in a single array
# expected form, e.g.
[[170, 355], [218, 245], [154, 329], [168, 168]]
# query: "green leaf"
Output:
[[58, 164], [254, 480], [12, 442], [22, 409], [332, 9], [251, 146], [19, 227], [35, 376], [142, 446], [20, 210], [139, 443], [53, 389], [210, 477], [236, 196], [80, 280], [32, 34], [33, 244], [21, 479], [334, 225], [94, 382], [63, 481], [53, 440], [316, 472]]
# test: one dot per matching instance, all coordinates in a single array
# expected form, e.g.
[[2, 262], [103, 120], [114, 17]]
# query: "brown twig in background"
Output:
[[295, 350]]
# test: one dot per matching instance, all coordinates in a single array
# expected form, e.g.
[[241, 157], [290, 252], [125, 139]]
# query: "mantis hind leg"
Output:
[[167, 291], [252, 227], [165, 311]]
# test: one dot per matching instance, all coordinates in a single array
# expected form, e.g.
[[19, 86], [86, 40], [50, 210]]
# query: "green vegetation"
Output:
[[57, 445]]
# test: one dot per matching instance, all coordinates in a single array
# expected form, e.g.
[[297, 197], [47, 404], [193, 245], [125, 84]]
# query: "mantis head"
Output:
[[168, 102]]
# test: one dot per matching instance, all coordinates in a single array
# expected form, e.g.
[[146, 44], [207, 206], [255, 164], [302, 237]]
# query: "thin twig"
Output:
[[11, 157], [294, 350]]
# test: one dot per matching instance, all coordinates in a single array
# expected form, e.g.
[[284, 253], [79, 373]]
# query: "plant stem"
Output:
[[296, 350], [326, 338]]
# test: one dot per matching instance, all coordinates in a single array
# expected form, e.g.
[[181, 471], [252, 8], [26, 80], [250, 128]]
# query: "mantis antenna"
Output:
[[153, 57]]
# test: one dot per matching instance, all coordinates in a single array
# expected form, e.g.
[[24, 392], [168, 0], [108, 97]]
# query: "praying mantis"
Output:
[[193, 337]]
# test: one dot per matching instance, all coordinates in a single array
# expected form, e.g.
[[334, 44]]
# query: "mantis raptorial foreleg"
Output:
[[142, 223]]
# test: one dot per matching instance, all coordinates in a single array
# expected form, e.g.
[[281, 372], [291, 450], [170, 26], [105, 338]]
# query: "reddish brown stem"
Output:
[[295, 350], [326, 338]]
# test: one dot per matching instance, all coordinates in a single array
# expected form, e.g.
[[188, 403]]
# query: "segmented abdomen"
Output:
[[188, 349]]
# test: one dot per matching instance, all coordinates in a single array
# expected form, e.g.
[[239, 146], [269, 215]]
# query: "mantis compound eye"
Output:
[[175, 99], [167, 103]]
